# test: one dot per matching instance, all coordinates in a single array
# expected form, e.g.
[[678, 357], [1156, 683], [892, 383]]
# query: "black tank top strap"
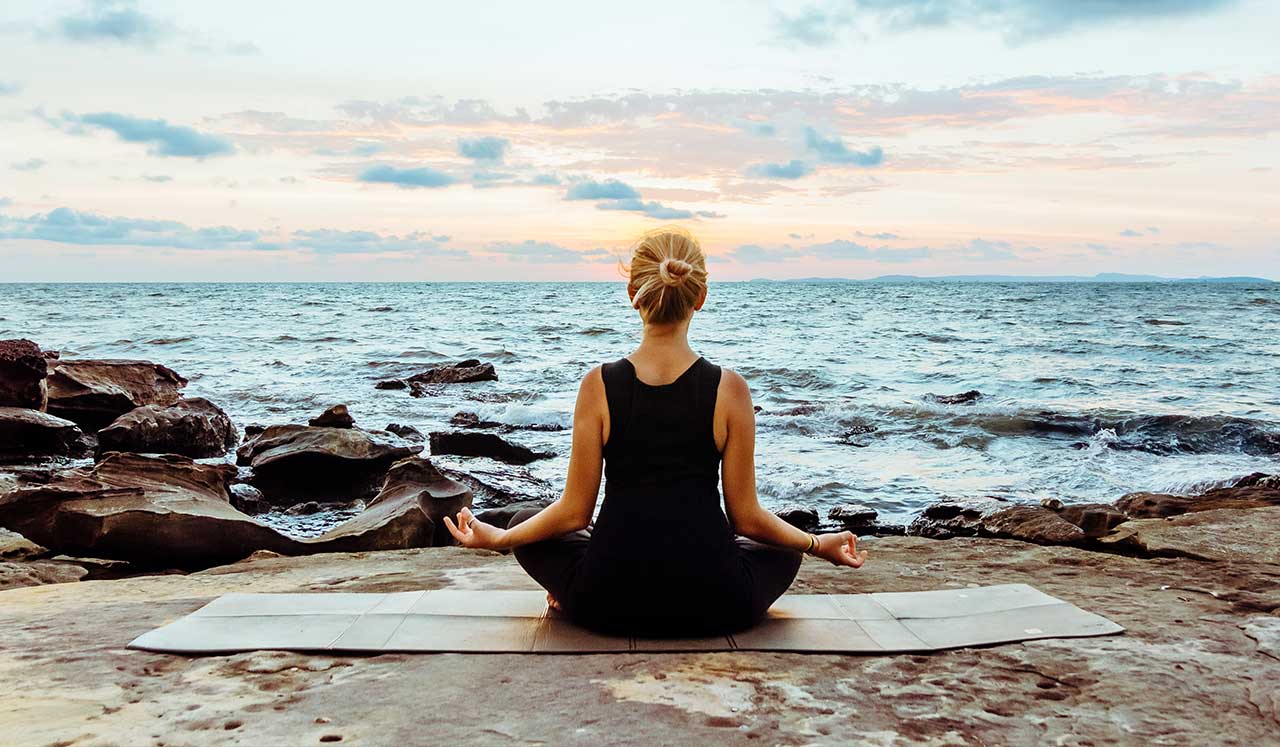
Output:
[[619, 390]]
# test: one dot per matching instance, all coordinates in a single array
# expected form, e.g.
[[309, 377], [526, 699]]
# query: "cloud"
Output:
[[31, 164], [165, 139], [158, 178], [116, 21], [650, 208], [406, 178], [882, 236], [9, 87], [763, 129], [833, 150], [327, 241], [484, 148], [66, 226], [542, 252], [1130, 232], [610, 189], [1018, 20], [792, 170]]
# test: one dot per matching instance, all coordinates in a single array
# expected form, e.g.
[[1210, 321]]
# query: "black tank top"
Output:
[[661, 540]]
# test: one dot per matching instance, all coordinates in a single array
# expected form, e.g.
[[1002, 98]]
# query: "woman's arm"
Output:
[[577, 503], [738, 476]]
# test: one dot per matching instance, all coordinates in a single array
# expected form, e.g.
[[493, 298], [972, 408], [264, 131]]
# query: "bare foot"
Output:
[[552, 603]]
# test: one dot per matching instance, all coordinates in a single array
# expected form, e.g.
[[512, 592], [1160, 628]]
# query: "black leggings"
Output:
[[551, 561]]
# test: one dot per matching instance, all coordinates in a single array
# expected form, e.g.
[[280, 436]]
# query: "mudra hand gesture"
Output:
[[840, 548], [471, 532]]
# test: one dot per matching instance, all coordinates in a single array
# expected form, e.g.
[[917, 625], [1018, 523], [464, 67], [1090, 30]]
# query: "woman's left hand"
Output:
[[471, 532]]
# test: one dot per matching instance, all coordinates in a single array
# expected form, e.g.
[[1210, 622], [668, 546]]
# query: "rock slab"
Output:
[[193, 427], [92, 393]]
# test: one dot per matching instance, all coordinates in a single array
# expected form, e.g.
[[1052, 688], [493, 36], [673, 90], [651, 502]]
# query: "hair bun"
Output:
[[673, 271]]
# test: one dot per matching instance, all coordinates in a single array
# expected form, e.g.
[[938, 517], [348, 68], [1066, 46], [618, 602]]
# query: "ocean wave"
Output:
[[169, 340], [1165, 323]]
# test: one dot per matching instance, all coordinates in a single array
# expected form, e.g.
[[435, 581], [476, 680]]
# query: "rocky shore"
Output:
[[121, 509]]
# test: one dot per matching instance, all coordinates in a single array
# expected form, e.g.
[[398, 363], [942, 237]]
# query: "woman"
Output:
[[662, 558]]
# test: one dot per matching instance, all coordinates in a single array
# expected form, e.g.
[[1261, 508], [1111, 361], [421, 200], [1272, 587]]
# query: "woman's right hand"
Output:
[[840, 548]]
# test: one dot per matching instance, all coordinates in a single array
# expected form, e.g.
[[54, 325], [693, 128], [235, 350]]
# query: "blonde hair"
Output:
[[669, 274]]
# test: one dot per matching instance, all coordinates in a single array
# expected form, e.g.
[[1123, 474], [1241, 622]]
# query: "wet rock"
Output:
[[954, 518], [193, 427], [501, 516], [92, 393], [461, 443], [462, 372], [802, 517], [472, 420], [1160, 505], [335, 417], [314, 507], [308, 462], [995, 517], [1053, 504], [249, 499], [23, 368], [407, 432], [853, 516], [503, 486], [26, 434], [407, 512], [856, 435], [165, 511], [963, 398], [253, 430]]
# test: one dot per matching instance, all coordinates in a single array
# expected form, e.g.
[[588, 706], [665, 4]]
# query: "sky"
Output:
[[237, 141]]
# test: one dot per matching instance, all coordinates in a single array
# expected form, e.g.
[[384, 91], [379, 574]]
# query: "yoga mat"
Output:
[[519, 622]]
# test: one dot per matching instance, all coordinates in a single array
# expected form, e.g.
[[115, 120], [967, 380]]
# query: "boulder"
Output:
[[853, 516], [502, 515], [407, 432], [292, 463], [463, 443], [157, 511], [802, 517], [1258, 493], [93, 393], [407, 512], [249, 499], [193, 427], [391, 384], [26, 433], [473, 420], [335, 417], [14, 546], [23, 368], [954, 517]]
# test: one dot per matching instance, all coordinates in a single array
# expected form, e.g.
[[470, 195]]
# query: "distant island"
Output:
[[1102, 277]]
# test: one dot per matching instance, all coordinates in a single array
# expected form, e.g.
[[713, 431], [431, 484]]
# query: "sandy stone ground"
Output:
[[1199, 664]]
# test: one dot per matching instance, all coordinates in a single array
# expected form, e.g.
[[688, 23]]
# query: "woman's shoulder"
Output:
[[733, 385]]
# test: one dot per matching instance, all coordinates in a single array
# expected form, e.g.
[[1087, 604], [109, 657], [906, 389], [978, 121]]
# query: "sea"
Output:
[[1087, 391]]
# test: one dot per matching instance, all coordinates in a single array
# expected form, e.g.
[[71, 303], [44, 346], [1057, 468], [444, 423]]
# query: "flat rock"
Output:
[[1193, 667], [14, 546], [1220, 534], [93, 393], [464, 443], [193, 427], [16, 574], [23, 368], [292, 463], [27, 434]]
